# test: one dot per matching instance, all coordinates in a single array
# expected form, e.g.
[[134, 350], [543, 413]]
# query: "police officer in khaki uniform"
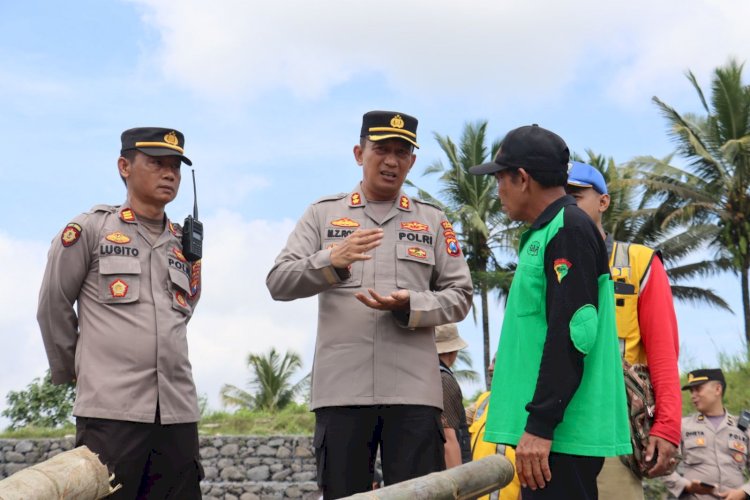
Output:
[[125, 346], [714, 449], [386, 268]]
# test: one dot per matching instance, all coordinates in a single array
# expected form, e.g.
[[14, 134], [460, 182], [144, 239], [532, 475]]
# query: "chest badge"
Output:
[[415, 226], [117, 237], [417, 252], [118, 288], [561, 267], [345, 222], [700, 442], [70, 234], [533, 249]]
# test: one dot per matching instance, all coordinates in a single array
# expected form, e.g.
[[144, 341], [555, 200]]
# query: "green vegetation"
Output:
[[42, 404], [293, 420], [271, 382]]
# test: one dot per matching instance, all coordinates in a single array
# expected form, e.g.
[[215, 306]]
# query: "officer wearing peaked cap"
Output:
[[714, 449], [125, 346], [386, 268]]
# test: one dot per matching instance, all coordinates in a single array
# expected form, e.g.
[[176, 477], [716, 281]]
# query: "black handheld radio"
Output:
[[192, 232]]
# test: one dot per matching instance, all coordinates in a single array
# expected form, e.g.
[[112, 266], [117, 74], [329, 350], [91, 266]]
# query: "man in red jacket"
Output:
[[647, 330]]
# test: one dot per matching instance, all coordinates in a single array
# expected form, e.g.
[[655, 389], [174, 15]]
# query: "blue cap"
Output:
[[582, 175]]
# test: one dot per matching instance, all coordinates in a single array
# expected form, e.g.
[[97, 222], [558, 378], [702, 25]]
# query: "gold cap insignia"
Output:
[[397, 122], [171, 138]]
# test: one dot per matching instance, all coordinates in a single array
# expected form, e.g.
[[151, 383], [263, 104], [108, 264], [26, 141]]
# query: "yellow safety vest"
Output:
[[629, 263], [481, 448]]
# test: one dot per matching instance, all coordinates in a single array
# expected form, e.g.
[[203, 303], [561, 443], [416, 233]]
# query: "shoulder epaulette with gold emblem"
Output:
[[104, 208], [332, 197], [424, 202]]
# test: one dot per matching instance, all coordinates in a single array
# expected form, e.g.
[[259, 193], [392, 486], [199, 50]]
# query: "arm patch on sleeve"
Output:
[[583, 328]]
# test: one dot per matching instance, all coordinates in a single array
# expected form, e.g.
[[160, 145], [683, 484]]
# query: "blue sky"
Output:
[[270, 97]]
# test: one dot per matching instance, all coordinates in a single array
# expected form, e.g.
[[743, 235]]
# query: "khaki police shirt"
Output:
[[365, 356], [125, 344], [713, 455]]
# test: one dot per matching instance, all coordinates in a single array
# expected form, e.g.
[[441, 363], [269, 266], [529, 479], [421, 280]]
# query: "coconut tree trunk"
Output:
[[486, 336], [746, 308]]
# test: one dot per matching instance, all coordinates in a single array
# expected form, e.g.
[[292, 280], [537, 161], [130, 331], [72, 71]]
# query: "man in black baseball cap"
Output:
[[550, 397]]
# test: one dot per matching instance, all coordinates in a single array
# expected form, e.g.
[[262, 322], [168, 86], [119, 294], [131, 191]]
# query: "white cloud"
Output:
[[230, 49]]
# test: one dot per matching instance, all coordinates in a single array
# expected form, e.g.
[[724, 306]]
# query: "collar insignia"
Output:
[[345, 222], [117, 237], [355, 200], [70, 234], [415, 226], [127, 215], [404, 203], [561, 267], [172, 229]]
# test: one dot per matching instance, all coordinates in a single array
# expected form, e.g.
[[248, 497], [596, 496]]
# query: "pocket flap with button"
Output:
[[180, 279], [119, 265]]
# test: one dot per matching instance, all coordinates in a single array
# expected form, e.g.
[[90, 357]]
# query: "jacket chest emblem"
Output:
[[417, 252], [344, 222], [414, 226], [117, 237], [118, 288]]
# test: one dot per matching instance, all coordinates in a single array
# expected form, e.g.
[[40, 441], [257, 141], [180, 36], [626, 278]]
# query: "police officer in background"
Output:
[[386, 268], [125, 346], [714, 449]]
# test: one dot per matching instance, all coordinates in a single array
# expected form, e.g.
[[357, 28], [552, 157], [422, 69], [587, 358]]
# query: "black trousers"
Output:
[[347, 438], [573, 477], [151, 461]]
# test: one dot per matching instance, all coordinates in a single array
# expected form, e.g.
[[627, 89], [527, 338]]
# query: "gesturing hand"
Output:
[[354, 246], [532, 461], [396, 301]]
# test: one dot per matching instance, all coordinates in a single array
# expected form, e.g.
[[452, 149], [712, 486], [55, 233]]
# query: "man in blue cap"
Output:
[[647, 330]]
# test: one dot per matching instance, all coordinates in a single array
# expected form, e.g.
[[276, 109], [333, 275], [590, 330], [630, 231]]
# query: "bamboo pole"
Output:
[[73, 475], [464, 482]]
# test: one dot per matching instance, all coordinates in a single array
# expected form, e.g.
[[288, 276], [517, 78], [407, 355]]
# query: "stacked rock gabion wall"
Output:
[[236, 467]]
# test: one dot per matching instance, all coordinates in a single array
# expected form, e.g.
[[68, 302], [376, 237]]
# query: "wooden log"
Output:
[[459, 483], [73, 475]]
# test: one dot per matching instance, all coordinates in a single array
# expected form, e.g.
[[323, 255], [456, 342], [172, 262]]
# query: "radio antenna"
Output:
[[195, 198]]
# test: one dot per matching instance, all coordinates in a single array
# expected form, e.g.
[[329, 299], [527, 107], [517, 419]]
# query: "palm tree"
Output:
[[632, 217], [271, 381], [710, 193], [472, 203], [467, 374]]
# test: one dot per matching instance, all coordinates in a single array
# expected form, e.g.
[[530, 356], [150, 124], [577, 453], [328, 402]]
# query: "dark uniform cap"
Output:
[[381, 125], [155, 141], [530, 147], [698, 377]]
